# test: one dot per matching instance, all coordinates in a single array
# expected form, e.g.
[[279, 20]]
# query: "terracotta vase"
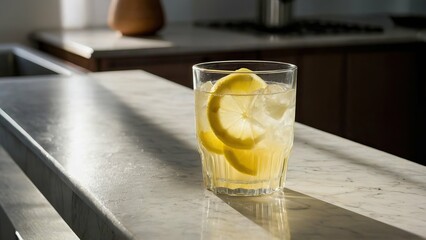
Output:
[[136, 17]]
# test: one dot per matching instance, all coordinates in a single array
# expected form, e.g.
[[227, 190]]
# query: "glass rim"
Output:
[[285, 67]]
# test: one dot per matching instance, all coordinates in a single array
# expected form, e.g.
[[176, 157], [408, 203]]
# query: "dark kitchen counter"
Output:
[[187, 38]]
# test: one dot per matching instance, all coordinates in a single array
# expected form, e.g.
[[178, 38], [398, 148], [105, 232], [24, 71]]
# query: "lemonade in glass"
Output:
[[244, 113]]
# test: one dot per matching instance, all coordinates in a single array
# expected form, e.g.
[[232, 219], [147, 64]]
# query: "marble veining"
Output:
[[120, 147], [372, 183]]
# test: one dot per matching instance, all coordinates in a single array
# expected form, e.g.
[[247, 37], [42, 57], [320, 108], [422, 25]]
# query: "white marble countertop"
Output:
[[185, 38], [115, 154], [30, 215]]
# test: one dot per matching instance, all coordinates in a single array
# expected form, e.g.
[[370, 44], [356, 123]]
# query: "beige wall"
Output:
[[18, 18]]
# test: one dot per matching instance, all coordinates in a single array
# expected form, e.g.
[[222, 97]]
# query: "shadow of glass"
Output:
[[292, 215], [150, 126]]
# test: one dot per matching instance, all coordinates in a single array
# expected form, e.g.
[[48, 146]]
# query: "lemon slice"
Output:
[[211, 142], [229, 109], [245, 161], [264, 159]]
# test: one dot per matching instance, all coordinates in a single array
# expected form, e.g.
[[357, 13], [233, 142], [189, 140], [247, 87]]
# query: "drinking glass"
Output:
[[244, 112]]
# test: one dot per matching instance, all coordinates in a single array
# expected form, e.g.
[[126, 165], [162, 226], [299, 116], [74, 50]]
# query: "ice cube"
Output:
[[206, 87], [277, 100], [285, 135]]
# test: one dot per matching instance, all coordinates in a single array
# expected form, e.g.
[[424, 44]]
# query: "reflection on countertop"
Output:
[[293, 215]]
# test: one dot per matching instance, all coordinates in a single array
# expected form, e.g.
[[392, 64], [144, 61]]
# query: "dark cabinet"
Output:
[[177, 68], [384, 103], [321, 87], [173, 68]]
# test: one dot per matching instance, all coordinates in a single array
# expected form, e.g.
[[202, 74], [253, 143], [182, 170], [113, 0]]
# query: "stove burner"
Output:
[[296, 28]]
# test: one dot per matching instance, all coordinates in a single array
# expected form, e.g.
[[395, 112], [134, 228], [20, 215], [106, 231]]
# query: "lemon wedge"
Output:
[[211, 142], [245, 161], [260, 160], [229, 109]]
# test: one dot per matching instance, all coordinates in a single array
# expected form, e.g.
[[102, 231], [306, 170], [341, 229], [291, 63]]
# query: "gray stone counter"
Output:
[[115, 154]]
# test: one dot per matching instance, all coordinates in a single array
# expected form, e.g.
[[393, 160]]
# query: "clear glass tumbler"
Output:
[[244, 113]]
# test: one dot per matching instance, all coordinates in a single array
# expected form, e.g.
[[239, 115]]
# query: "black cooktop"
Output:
[[296, 28]]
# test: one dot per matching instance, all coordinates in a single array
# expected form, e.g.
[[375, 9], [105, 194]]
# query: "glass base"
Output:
[[244, 192]]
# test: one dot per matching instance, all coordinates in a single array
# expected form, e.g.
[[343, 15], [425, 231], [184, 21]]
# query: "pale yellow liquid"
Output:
[[269, 156]]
